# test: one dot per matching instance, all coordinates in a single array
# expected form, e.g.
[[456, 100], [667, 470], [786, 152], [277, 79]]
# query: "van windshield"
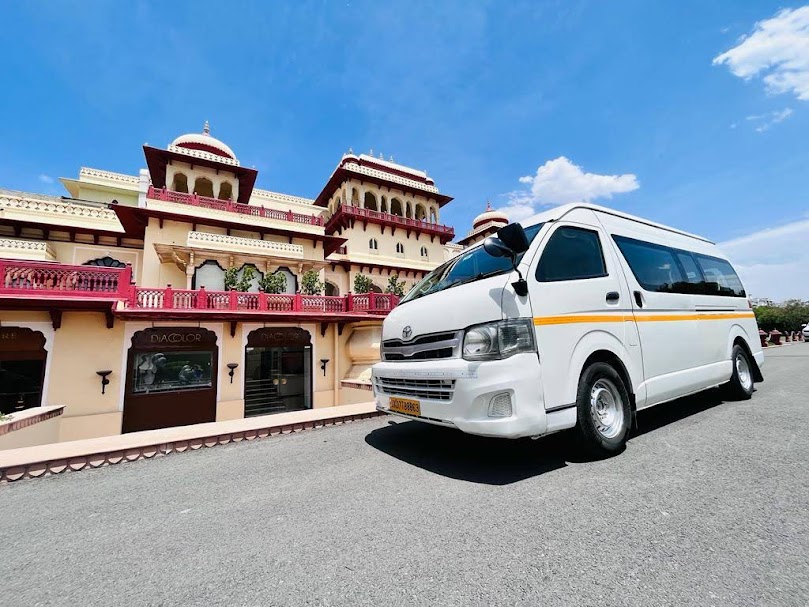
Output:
[[470, 266]]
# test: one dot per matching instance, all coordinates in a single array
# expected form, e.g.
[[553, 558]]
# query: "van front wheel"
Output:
[[604, 413]]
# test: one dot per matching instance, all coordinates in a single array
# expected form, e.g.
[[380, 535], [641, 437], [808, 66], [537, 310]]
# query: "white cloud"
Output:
[[559, 181], [46, 178], [777, 49], [765, 121], [773, 262]]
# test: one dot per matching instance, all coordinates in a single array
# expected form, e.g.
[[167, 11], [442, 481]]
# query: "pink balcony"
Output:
[[233, 207], [346, 214], [42, 280], [181, 300]]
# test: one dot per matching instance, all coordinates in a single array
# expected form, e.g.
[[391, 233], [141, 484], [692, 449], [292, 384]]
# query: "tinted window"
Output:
[[720, 277], [469, 266], [693, 275], [654, 266], [169, 371], [571, 254]]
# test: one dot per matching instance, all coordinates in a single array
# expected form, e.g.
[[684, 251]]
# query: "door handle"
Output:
[[638, 299], [613, 296]]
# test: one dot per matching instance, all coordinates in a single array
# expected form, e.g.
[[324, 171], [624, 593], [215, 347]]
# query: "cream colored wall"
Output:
[[82, 346], [106, 195], [79, 253], [354, 190]]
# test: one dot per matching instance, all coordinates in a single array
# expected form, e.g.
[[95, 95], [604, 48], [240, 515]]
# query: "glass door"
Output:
[[277, 379], [20, 384]]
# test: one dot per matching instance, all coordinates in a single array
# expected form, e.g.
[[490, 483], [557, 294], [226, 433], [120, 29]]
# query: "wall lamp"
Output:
[[232, 367], [323, 363], [104, 381]]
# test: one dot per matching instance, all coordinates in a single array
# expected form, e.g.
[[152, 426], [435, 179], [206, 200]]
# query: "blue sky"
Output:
[[479, 94]]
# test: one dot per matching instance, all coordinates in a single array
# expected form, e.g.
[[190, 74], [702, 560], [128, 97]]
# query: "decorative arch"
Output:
[[424, 253], [396, 207], [408, 210], [421, 212], [400, 248], [355, 197], [225, 191], [373, 244], [180, 183], [433, 215], [203, 187], [331, 289], [370, 201], [383, 204], [105, 262], [374, 288]]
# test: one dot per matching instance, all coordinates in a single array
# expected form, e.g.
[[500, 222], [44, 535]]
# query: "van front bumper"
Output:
[[458, 393]]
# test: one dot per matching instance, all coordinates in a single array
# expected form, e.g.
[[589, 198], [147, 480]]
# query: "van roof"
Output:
[[557, 213]]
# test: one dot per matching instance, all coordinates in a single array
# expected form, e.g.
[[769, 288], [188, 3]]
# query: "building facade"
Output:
[[117, 301]]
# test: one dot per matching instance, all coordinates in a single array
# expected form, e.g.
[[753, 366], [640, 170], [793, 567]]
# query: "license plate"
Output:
[[405, 405]]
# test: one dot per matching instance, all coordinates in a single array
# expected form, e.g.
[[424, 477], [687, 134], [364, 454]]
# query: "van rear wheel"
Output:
[[604, 413], [740, 386]]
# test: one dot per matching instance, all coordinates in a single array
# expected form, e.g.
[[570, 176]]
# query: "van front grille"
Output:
[[424, 347], [428, 389]]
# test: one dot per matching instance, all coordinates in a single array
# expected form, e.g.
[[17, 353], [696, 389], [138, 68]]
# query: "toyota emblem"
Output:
[[407, 332]]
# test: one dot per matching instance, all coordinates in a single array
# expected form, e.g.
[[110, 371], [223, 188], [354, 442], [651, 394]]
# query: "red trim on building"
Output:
[[342, 174], [347, 215]]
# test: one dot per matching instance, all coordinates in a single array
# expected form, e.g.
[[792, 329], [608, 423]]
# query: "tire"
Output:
[[602, 396], [740, 386]]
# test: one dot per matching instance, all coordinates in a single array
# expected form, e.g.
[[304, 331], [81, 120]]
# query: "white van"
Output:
[[580, 319]]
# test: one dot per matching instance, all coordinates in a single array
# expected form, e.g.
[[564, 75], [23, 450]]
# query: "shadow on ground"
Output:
[[494, 461]]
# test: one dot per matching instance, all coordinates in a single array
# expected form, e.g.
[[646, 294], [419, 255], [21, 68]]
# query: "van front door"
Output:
[[581, 305]]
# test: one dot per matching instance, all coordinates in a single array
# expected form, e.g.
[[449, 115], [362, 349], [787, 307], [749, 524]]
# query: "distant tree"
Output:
[[273, 283], [786, 317], [394, 286], [311, 283], [362, 284]]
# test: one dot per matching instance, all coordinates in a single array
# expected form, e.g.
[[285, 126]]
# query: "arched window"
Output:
[[370, 201], [400, 248], [424, 252], [373, 244], [203, 187], [331, 289], [396, 207], [433, 216], [105, 262], [225, 191], [180, 183], [421, 213]]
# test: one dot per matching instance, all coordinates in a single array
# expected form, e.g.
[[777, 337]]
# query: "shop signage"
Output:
[[174, 337], [278, 336], [21, 338]]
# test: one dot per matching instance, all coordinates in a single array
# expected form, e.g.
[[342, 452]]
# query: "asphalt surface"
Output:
[[707, 506]]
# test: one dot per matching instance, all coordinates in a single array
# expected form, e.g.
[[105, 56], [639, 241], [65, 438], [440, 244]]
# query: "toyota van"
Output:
[[578, 319]]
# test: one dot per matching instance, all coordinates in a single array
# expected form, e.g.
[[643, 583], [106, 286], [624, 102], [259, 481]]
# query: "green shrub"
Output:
[[362, 284], [311, 283]]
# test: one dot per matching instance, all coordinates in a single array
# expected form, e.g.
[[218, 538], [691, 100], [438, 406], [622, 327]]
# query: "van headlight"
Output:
[[498, 340]]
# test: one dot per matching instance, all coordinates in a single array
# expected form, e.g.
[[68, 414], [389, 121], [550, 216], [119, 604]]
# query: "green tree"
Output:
[[786, 317], [231, 278], [246, 279], [273, 283], [362, 284], [311, 283], [395, 287]]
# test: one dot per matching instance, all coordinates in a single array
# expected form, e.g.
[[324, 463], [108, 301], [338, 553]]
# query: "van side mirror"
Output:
[[496, 247], [513, 236]]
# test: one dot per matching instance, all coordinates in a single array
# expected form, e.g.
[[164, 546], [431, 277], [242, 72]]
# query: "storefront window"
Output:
[[167, 371]]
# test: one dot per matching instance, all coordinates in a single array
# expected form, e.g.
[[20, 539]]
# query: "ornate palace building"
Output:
[[113, 300]]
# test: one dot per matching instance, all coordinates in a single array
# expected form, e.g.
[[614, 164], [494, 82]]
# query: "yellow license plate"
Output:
[[405, 405]]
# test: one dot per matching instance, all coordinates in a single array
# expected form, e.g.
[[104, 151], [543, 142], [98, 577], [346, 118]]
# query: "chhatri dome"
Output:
[[489, 215], [204, 142]]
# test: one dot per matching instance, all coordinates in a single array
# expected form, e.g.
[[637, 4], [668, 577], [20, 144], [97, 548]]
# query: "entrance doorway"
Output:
[[22, 368], [171, 378], [278, 371]]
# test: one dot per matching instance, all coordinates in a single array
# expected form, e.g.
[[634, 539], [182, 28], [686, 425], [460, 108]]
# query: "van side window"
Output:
[[693, 275], [654, 266], [720, 277], [571, 254]]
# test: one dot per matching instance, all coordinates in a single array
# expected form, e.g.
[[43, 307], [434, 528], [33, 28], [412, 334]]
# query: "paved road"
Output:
[[707, 506]]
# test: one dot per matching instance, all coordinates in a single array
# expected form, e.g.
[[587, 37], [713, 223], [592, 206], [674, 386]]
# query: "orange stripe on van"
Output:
[[640, 317]]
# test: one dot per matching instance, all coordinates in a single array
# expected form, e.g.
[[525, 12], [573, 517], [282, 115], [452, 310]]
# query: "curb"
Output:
[[42, 468]]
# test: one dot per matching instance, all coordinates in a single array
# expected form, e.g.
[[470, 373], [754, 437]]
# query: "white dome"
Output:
[[490, 215], [203, 141]]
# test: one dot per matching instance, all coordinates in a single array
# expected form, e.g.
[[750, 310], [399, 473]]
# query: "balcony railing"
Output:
[[46, 280], [168, 298], [42, 280], [352, 212], [233, 207]]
